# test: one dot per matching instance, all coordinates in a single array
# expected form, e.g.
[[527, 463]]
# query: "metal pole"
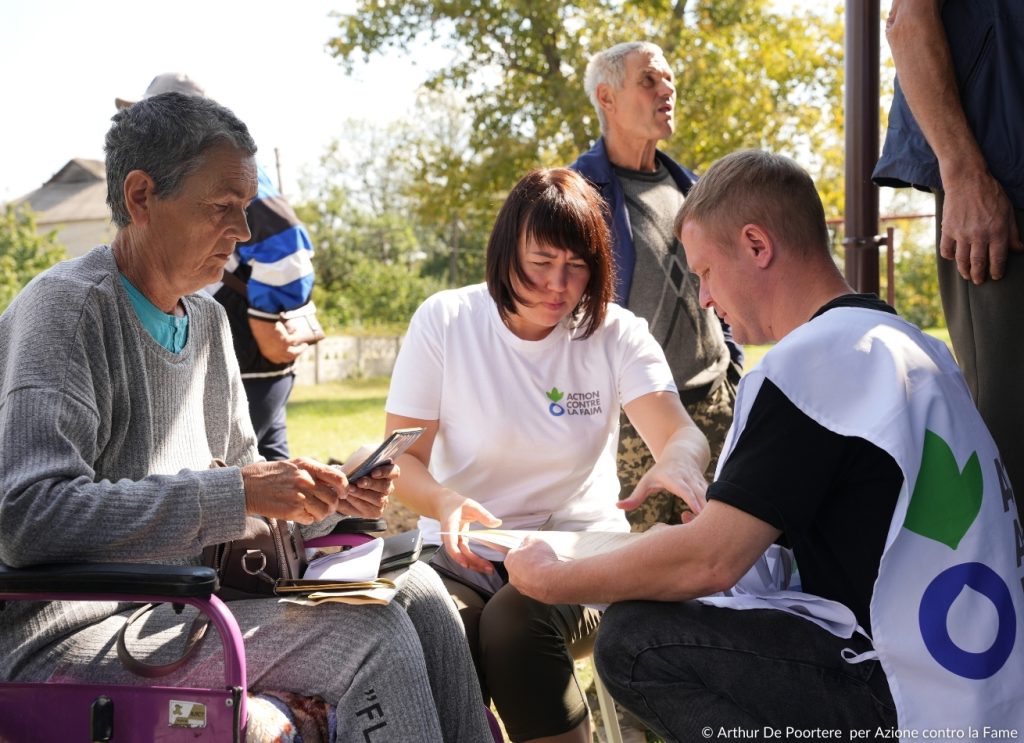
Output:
[[890, 266], [277, 163], [863, 19]]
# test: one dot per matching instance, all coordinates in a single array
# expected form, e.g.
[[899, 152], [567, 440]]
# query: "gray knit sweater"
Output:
[[106, 439]]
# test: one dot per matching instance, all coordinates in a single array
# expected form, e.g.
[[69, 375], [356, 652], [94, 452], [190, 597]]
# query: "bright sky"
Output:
[[64, 62]]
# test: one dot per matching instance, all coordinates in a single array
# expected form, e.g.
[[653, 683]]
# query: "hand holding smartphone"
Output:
[[391, 448]]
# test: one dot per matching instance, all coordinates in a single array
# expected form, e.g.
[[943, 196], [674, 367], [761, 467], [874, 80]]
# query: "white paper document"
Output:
[[359, 563], [568, 545]]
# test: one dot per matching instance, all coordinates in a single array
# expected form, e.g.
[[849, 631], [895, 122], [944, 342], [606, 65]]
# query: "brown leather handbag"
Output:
[[250, 567]]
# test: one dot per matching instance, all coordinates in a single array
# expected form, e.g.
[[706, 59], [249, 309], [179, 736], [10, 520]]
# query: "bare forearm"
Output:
[[421, 492], [659, 567], [978, 227], [680, 450], [687, 444], [274, 342], [925, 70], [418, 489], [672, 563]]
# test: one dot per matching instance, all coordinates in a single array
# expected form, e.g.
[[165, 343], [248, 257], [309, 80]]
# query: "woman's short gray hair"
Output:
[[609, 68], [167, 137]]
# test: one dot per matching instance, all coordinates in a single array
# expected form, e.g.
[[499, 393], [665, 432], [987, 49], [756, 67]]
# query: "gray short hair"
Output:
[[608, 67], [167, 137]]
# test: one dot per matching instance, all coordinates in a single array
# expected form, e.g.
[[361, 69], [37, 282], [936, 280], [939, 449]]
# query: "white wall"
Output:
[[342, 357]]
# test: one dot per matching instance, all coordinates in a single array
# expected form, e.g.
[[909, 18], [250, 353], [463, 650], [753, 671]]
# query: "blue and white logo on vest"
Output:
[[945, 503]]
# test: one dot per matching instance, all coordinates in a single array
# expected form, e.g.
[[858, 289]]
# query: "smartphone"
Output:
[[392, 447], [401, 550]]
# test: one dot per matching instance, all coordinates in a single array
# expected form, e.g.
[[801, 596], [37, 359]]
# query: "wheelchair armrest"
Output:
[[172, 581], [353, 524]]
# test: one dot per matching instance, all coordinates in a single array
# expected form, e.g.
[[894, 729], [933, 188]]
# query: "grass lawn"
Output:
[[335, 419]]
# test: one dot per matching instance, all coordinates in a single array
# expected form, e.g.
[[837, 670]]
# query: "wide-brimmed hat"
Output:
[[169, 82]]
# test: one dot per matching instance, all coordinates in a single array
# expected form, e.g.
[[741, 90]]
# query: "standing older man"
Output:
[[854, 417], [119, 391], [632, 88]]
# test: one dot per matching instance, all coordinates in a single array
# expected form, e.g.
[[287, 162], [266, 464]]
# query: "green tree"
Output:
[[445, 186], [916, 282], [512, 98], [369, 247], [24, 252], [747, 75], [917, 286]]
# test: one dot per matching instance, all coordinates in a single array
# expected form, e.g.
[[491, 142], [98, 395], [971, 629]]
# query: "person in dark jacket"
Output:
[[956, 128]]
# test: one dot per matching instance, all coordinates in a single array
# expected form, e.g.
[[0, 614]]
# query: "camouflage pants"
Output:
[[713, 416]]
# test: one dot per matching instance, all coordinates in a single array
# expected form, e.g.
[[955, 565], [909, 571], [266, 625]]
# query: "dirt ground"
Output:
[[399, 518]]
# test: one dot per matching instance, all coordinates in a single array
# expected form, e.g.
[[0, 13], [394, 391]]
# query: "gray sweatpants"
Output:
[[400, 672]]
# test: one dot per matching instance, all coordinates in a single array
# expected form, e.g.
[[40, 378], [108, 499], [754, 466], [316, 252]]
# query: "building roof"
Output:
[[76, 193], [74, 202]]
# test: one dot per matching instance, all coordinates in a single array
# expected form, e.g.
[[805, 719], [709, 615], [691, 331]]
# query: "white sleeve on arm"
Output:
[[416, 381], [642, 365]]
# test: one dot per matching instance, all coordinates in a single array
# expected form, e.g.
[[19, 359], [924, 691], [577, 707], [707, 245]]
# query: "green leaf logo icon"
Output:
[[945, 501], [555, 395]]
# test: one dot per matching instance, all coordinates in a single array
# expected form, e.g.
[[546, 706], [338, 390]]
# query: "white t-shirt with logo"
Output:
[[529, 429]]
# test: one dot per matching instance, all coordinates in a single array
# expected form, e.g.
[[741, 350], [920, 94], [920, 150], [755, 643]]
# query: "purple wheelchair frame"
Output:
[[110, 712], [70, 711]]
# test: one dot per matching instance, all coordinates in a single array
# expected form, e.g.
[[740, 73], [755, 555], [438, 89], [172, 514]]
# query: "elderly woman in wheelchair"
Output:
[[119, 390]]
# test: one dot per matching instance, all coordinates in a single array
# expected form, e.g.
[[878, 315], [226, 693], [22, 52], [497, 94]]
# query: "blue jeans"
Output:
[[268, 399], [686, 668]]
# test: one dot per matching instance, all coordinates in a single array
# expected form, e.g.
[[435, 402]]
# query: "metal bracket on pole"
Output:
[[889, 241], [877, 241]]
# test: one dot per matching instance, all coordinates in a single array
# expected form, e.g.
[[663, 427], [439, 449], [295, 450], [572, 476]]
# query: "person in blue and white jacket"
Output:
[[268, 279], [267, 276]]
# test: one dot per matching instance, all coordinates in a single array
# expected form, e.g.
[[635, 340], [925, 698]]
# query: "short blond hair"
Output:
[[757, 187]]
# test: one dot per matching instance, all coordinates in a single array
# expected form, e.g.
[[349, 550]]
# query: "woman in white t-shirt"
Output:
[[519, 383]]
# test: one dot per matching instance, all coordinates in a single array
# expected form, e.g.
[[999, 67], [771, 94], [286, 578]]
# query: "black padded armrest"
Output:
[[352, 525], [118, 579]]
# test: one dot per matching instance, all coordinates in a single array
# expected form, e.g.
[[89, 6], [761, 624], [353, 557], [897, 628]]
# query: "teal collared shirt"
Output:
[[169, 331]]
